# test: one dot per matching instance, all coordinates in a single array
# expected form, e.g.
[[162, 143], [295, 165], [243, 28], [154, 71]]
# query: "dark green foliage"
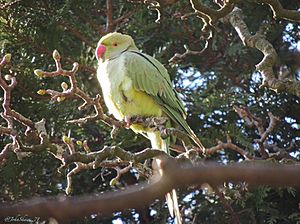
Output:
[[210, 84]]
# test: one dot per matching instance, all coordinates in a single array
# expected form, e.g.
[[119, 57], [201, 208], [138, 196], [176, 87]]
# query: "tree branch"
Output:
[[7, 88], [74, 91], [187, 52], [272, 124], [36, 130], [252, 120], [109, 16], [174, 175], [124, 17], [228, 145], [265, 67], [280, 12], [211, 14], [209, 17], [9, 115]]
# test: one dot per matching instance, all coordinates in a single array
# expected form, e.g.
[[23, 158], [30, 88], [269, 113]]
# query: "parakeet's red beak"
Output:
[[100, 51]]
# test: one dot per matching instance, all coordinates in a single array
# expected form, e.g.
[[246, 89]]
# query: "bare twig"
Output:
[[100, 158], [7, 88], [111, 151], [228, 145], [93, 161], [10, 115], [209, 17], [120, 172], [187, 52], [36, 130], [252, 120], [74, 91]]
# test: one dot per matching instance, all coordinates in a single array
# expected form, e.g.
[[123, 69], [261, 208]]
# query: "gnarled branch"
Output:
[[280, 12], [265, 67]]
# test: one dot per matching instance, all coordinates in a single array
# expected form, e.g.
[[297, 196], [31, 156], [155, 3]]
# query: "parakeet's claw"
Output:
[[127, 120]]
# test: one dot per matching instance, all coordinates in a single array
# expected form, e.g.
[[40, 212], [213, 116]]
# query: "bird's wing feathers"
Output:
[[149, 75]]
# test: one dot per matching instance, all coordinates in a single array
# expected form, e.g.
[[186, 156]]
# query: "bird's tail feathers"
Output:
[[171, 198], [197, 140], [192, 135], [172, 203], [178, 119]]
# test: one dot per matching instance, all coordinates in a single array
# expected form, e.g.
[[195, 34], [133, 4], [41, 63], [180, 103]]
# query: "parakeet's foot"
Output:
[[127, 120]]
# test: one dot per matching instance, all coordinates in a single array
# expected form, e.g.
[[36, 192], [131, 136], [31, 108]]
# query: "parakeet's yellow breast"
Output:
[[120, 96]]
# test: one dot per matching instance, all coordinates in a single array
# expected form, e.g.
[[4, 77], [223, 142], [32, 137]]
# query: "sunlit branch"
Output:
[[280, 12], [211, 14], [265, 67]]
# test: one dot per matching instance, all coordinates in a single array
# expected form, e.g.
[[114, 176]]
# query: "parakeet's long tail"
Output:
[[178, 119], [171, 198]]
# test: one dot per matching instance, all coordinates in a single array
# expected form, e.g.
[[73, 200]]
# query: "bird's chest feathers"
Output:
[[114, 82], [120, 96], [111, 75]]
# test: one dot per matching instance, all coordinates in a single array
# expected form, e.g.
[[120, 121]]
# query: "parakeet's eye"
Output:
[[115, 44]]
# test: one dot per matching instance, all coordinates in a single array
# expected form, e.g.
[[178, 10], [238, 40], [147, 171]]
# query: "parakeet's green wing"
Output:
[[150, 76]]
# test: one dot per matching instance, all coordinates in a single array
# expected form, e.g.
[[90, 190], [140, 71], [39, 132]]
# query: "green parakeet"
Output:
[[136, 84]]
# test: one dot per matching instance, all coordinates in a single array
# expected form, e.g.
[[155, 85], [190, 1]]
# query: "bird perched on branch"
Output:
[[136, 84]]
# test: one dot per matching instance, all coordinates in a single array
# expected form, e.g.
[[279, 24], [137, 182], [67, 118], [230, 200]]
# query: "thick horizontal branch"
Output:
[[174, 175]]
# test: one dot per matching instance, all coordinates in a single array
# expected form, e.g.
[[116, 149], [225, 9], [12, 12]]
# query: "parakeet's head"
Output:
[[113, 44]]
